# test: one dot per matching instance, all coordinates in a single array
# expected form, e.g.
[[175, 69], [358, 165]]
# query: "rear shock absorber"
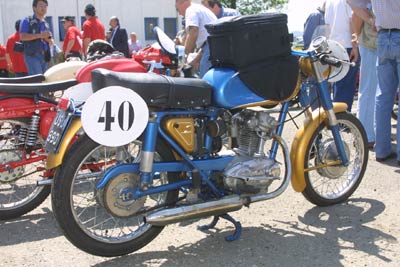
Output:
[[32, 133], [22, 134]]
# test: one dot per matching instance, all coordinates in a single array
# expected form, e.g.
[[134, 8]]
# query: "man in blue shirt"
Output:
[[36, 36], [314, 20], [219, 11]]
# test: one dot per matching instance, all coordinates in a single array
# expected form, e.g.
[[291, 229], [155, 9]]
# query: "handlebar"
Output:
[[332, 61], [325, 59]]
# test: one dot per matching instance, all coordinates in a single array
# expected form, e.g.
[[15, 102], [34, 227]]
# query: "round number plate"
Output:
[[114, 116]]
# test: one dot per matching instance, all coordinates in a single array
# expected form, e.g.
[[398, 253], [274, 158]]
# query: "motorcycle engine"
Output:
[[252, 171]]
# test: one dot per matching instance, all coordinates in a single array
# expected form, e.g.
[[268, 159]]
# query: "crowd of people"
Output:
[[28, 51], [370, 32]]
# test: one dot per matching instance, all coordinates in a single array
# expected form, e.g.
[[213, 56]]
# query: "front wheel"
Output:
[[335, 184], [100, 222]]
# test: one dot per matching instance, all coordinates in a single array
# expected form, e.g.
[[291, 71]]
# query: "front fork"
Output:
[[326, 102]]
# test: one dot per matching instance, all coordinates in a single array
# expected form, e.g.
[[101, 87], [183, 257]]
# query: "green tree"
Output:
[[254, 6]]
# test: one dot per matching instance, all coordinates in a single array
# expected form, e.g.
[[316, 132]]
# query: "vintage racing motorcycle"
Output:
[[28, 108], [159, 150]]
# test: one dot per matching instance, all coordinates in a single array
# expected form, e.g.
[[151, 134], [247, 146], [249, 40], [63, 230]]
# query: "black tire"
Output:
[[332, 185], [73, 219], [19, 193], [34, 202]]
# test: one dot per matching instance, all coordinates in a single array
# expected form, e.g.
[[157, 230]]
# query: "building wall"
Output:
[[130, 12]]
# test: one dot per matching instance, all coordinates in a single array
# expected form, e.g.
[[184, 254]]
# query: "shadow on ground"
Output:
[[316, 239], [28, 228]]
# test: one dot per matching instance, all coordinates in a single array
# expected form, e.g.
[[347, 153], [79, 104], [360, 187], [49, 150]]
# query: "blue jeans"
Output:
[[35, 64], [344, 90], [367, 91], [205, 63], [388, 51]]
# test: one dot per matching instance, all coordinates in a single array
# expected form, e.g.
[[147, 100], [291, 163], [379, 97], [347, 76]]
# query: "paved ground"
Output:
[[286, 231]]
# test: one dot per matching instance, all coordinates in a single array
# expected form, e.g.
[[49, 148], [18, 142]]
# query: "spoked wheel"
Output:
[[19, 193], [99, 221], [334, 184]]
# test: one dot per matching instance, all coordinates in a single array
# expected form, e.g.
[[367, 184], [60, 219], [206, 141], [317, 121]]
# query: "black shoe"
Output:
[[390, 156]]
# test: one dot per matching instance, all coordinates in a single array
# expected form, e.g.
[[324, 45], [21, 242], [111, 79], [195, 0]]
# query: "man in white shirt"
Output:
[[196, 16], [338, 16]]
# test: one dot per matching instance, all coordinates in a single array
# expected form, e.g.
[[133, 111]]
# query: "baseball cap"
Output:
[[89, 9], [68, 18]]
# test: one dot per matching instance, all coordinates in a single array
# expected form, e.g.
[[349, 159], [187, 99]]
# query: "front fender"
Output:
[[301, 141], [55, 160]]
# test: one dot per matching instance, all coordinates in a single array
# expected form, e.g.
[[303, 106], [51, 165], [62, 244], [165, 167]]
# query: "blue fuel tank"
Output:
[[229, 90]]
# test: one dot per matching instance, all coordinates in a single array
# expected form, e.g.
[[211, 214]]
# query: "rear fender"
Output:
[[55, 160]]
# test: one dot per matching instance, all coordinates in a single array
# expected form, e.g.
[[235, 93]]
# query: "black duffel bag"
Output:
[[238, 42]]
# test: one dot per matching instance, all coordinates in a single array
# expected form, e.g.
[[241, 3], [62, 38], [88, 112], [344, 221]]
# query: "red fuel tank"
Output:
[[114, 64]]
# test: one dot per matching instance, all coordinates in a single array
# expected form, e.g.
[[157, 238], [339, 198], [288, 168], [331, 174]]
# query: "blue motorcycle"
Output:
[[203, 147]]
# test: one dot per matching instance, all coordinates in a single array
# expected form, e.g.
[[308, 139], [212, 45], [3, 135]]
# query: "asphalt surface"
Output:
[[285, 231]]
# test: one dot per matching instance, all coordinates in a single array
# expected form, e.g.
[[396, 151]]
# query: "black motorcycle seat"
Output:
[[157, 90], [38, 78], [36, 88]]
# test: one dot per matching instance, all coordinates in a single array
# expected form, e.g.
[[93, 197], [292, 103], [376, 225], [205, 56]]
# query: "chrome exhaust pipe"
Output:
[[286, 179], [44, 182], [195, 211]]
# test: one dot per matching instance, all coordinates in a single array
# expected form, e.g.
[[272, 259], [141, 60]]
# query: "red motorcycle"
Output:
[[27, 111]]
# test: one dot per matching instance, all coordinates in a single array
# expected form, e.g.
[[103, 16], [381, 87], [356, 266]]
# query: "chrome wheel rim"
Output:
[[334, 184], [18, 186], [88, 208]]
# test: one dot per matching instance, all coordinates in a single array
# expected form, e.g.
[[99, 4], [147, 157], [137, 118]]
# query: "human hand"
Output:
[[354, 54], [46, 35], [194, 60]]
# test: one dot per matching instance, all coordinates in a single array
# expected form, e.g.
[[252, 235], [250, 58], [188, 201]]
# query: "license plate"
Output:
[[56, 133]]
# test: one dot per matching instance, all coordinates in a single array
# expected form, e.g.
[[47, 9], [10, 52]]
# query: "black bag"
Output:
[[274, 79], [259, 48], [238, 42], [18, 47]]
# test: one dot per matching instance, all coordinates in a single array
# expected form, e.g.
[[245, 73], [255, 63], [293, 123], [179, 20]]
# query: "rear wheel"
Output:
[[19, 193], [99, 221], [334, 184]]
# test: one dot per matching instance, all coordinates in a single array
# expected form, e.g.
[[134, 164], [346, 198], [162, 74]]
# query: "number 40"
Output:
[[126, 115]]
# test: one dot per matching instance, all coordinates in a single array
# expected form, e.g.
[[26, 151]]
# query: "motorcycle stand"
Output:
[[234, 236]]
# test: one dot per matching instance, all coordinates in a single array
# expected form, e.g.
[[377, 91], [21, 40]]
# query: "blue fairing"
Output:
[[229, 90]]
